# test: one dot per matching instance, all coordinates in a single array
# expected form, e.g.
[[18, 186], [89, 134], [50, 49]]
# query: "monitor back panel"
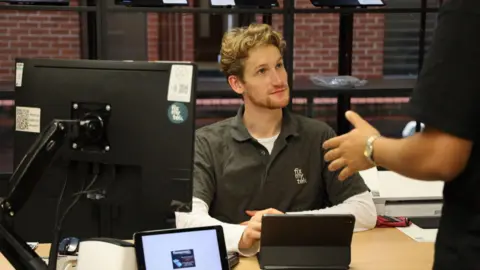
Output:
[[149, 160]]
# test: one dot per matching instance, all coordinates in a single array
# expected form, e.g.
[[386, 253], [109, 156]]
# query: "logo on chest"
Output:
[[301, 180]]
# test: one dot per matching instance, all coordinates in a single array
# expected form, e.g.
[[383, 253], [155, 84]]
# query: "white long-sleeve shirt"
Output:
[[361, 206]]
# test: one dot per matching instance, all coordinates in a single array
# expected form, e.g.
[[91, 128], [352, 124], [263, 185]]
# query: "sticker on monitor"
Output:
[[27, 119], [183, 259]]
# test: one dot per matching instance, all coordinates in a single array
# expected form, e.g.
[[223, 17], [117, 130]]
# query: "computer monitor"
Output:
[[245, 3], [152, 3], [141, 148], [222, 3], [256, 3], [38, 2], [347, 3]]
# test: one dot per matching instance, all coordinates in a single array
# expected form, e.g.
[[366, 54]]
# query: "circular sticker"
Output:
[[177, 113]]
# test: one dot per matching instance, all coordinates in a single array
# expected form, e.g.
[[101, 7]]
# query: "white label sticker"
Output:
[[27, 119], [180, 83], [19, 74]]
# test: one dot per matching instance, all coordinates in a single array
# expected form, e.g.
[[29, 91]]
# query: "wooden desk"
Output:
[[380, 249], [376, 249]]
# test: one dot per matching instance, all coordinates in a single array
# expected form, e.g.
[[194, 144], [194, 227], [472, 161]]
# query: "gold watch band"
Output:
[[369, 148]]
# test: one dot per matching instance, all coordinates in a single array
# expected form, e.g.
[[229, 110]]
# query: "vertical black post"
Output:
[[91, 31], [84, 32], [288, 29], [101, 28], [421, 34], [421, 45], [345, 43], [246, 19], [267, 17]]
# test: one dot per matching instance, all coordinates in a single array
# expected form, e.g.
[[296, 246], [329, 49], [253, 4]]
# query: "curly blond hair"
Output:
[[237, 42]]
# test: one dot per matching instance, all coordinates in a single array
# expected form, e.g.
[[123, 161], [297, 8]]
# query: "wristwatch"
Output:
[[369, 148]]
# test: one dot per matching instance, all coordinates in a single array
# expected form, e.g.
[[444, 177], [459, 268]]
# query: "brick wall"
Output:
[[49, 34], [368, 45], [316, 43], [188, 35], [153, 36], [56, 35], [46, 34]]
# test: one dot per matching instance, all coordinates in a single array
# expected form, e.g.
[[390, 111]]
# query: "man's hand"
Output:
[[346, 151], [254, 227]]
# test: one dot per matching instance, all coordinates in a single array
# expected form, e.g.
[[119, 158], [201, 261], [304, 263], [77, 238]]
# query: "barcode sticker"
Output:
[[180, 83], [27, 119], [19, 74]]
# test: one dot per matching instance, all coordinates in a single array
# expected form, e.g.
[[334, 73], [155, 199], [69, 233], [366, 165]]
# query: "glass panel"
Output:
[[430, 29], [127, 35], [401, 38], [401, 44], [387, 46]]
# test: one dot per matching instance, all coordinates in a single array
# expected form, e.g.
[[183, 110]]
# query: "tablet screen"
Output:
[[182, 250], [370, 2], [223, 2], [175, 2]]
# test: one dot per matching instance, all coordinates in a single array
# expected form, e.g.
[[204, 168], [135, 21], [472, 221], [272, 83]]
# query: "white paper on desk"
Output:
[[33, 245], [394, 185], [418, 234], [370, 177]]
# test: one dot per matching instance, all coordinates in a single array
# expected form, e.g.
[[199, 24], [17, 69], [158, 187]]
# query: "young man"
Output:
[[265, 160], [447, 100]]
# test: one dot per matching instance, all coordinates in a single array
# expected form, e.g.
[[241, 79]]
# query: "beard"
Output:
[[271, 102]]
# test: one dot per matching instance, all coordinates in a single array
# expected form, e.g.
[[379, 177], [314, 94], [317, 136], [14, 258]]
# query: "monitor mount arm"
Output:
[[24, 179]]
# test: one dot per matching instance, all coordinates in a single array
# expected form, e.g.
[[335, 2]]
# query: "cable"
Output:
[[60, 198], [77, 198], [87, 191], [56, 233], [52, 261]]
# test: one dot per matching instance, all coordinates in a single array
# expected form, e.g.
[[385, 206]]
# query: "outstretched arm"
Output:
[[361, 206], [428, 155], [436, 155], [445, 99]]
